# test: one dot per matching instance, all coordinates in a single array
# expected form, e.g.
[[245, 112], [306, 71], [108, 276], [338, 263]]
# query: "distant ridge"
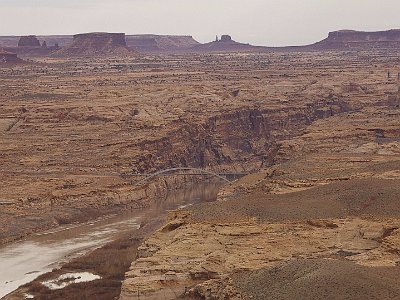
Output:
[[160, 43], [341, 40], [352, 39], [96, 44]]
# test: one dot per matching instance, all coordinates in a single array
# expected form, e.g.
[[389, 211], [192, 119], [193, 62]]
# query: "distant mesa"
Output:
[[101, 39], [119, 44], [341, 40], [361, 36], [160, 43], [29, 41], [226, 38], [31, 45], [226, 44], [96, 44], [351, 39]]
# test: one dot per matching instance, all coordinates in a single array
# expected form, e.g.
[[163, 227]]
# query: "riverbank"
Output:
[[110, 262], [40, 254]]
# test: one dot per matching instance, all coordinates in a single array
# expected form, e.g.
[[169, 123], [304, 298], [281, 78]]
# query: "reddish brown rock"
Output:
[[351, 39], [227, 44], [28, 41], [226, 38], [160, 43], [96, 44]]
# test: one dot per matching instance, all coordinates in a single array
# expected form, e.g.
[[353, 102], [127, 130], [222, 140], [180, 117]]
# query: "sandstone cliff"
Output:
[[150, 43], [96, 44], [28, 41], [351, 39], [334, 203], [226, 44], [160, 43], [139, 42]]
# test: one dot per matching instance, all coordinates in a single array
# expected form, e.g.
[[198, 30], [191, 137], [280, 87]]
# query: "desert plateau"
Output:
[[155, 166]]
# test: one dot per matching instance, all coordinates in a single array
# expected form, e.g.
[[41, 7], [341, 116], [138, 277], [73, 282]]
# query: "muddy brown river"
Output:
[[23, 261]]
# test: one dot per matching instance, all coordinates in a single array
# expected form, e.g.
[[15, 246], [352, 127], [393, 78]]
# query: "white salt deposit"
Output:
[[66, 279]]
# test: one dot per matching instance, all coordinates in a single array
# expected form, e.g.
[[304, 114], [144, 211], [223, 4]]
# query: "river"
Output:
[[23, 261]]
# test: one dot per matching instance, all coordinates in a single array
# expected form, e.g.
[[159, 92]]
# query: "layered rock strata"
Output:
[[96, 44]]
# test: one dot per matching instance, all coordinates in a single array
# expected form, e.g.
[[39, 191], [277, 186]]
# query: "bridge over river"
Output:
[[185, 171]]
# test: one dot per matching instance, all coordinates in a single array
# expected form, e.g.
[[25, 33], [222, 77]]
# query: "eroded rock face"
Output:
[[96, 44], [360, 36], [197, 122], [333, 202], [160, 43], [101, 38], [347, 39], [227, 44], [28, 41], [226, 38], [206, 254]]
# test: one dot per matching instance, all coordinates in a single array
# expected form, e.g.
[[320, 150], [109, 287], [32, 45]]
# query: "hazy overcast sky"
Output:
[[262, 22]]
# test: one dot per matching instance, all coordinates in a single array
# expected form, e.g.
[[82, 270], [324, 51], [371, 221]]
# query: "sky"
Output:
[[259, 22]]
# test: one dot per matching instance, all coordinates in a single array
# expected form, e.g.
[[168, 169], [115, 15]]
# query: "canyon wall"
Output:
[[71, 138], [243, 140]]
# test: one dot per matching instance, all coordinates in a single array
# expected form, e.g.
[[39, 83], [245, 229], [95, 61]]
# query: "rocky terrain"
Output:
[[319, 131], [324, 209], [325, 215], [71, 131], [289, 280]]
